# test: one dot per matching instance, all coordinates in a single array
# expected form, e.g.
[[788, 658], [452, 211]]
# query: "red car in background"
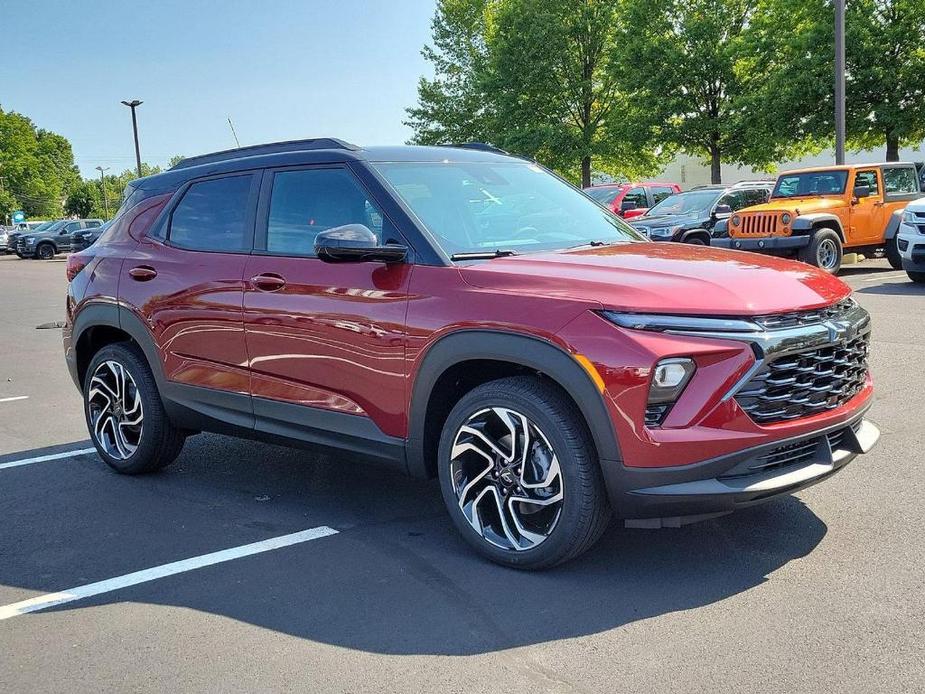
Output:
[[631, 199]]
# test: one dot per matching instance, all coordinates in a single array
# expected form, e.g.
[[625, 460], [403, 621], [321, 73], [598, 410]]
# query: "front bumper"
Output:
[[769, 243], [911, 245], [670, 497]]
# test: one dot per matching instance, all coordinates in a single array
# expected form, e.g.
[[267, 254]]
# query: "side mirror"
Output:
[[627, 205], [861, 192], [355, 243], [722, 212]]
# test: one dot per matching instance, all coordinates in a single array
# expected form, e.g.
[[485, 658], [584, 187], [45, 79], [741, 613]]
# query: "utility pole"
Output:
[[839, 81], [103, 184], [133, 104], [234, 134]]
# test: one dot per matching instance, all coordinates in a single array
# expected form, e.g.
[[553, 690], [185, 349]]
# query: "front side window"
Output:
[[736, 200], [659, 193], [473, 207], [638, 196], [756, 196], [213, 216], [811, 183], [306, 202], [869, 179], [898, 180]]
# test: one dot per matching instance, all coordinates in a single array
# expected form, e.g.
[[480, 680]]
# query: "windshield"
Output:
[[53, 226], [42, 227], [483, 207], [810, 183], [693, 201], [604, 196]]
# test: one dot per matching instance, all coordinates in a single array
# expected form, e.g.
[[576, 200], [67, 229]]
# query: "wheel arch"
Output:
[[810, 223], [497, 354], [892, 224], [696, 233]]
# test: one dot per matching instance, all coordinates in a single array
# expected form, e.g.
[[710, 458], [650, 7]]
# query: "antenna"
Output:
[[231, 125]]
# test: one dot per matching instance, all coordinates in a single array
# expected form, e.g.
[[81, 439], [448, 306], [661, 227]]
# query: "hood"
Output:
[[805, 205], [664, 278], [666, 220]]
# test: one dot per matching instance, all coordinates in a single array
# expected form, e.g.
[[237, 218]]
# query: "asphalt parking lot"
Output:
[[824, 591]]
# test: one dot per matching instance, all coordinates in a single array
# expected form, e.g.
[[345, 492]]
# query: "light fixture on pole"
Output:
[[133, 104]]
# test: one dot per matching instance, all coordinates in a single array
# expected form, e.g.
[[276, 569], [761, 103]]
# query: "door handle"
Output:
[[268, 282], [143, 273]]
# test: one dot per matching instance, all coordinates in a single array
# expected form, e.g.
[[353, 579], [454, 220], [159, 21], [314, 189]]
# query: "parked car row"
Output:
[[47, 239], [815, 215]]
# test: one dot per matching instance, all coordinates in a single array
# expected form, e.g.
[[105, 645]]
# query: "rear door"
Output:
[[325, 341], [188, 287]]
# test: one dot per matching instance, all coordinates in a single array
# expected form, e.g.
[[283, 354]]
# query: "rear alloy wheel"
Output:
[[824, 251], [125, 415], [45, 251], [520, 476]]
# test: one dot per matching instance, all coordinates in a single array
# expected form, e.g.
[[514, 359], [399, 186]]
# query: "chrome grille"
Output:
[[804, 383], [797, 318], [758, 224]]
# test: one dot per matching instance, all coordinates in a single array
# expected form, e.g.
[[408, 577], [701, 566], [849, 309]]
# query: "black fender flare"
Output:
[[49, 242], [807, 223], [892, 224], [699, 231], [517, 348]]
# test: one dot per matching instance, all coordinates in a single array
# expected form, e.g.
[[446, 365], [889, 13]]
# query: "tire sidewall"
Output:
[[812, 255], [559, 542], [43, 247]]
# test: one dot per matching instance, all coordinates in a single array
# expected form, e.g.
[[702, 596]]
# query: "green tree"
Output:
[[533, 77], [175, 159], [885, 55], [680, 61], [83, 200]]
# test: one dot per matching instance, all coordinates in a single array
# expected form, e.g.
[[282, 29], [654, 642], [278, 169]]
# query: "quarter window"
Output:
[[899, 180], [213, 216], [307, 202]]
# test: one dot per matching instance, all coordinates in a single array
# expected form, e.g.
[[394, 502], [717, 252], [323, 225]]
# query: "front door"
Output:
[[867, 215], [326, 342]]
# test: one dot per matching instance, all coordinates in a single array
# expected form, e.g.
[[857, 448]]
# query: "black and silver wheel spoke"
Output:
[[116, 411], [507, 478]]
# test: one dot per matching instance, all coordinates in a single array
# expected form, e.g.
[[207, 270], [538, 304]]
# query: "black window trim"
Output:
[[262, 216], [161, 230]]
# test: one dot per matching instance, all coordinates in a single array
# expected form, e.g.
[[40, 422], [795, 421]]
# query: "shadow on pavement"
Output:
[[903, 287], [396, 579]]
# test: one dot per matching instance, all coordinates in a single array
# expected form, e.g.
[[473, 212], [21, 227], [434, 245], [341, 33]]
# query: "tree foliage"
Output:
[[83, 200]]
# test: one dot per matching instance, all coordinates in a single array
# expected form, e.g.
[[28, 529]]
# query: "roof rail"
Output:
[[271, 148], [480, 146], [753, 184]]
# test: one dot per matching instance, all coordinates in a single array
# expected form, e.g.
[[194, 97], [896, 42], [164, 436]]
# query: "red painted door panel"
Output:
[[193, 306], [329, 335]]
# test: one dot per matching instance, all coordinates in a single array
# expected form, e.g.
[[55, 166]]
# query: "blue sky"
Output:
[[280, 69]]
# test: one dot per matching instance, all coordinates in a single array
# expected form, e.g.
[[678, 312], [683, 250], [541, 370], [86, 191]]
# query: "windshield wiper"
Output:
[[483, 255]]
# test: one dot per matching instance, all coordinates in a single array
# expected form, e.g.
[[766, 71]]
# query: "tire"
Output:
[[917, 277], [824, 251], [148, 445], [695, 241], [45, 251], [575, 510], [892, 253]]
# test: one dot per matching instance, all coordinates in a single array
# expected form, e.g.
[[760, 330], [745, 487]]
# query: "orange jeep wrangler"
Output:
[[816, 213]]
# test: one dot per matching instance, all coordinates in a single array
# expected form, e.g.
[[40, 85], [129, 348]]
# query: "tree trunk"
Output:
[[716, 173], [892, 147], [585, 172]]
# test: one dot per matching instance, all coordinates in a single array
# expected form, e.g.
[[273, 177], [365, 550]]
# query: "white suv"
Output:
[[911, 240]]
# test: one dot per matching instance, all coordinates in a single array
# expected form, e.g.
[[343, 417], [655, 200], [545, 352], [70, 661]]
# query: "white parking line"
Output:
[[42, 602], [14, 398], [44, 458], [888, 276]]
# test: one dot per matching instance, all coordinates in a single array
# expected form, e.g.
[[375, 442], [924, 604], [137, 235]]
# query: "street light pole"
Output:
[[103, 184], [839, 81], [133, 104]]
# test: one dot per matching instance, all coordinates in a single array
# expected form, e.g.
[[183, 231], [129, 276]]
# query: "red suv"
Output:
[[631, 200], [458, 313]]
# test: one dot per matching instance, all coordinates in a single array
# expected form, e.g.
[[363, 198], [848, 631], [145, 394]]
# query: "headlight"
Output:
[[29, 239], [669, 378], [909, 217], [785, 218], [662, 232], [736, 219]]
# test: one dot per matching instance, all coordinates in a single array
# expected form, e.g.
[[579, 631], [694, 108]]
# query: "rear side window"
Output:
[[214, 215], [306, 202], [756, 196], [899, 180], [869, 179], [637, 195], [659, 193]]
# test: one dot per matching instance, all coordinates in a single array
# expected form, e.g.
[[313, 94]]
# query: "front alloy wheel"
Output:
[[507, 479], [116, 410]]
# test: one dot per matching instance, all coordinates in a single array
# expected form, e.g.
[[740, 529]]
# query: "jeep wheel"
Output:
[[125, 414], [824, 251], [519, 474], [917, 277], [45, 251], [892, 253]]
